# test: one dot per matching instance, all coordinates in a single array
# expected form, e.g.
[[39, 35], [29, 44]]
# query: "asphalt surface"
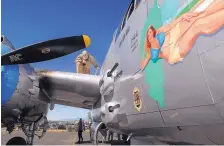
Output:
[[50, 138]]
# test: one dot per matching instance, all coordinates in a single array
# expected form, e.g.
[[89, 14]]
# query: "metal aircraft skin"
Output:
[[161, 82]]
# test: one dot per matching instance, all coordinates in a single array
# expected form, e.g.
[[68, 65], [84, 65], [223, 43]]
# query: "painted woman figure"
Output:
[[173, 41], [153, 44]]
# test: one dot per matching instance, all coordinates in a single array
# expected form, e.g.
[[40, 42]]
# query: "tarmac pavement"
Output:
[[50, 138]]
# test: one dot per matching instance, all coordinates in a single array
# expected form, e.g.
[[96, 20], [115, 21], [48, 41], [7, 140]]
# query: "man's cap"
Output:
[[84, 52]]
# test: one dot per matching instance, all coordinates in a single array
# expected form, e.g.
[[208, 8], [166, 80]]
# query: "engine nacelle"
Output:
[[20, 92], [96, 112], [96, 116]]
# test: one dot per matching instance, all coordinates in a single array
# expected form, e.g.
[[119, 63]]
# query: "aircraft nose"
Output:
[[9, 78]]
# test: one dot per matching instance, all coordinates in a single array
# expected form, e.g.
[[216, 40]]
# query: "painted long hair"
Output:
[[154, 35]]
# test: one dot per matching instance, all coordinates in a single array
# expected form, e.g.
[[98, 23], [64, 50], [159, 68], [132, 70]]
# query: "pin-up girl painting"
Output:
[[172, 42]]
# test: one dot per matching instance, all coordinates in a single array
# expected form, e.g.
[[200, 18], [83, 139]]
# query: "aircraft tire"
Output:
[[16, 141]]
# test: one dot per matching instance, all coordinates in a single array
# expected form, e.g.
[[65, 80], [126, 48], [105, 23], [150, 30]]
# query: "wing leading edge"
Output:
[[71, 89]]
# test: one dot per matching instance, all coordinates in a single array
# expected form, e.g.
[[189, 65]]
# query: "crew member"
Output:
[[81, 128], [84, 61]]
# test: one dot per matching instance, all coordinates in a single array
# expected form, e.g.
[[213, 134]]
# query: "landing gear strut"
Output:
[[21, 141], [29, 131], [33, 127], [126, 139], [30, 134], [101, 136]]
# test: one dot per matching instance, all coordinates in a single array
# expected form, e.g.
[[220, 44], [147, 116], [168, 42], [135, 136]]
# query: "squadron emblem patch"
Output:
[[137, 99]]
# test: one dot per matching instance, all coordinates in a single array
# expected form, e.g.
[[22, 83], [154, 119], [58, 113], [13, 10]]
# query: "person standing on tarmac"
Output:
[[83, 63], [81, 128]]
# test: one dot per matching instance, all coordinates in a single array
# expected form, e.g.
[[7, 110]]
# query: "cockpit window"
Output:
[[131, 9], [123, 22], [128, 13]]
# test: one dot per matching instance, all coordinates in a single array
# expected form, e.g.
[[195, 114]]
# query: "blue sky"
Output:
[[26, 22]]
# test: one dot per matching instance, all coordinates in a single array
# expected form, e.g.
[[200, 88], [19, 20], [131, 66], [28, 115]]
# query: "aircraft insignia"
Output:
[[137, 99]]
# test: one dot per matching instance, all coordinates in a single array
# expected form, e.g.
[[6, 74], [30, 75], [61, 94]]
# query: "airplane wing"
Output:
[[71, 89]]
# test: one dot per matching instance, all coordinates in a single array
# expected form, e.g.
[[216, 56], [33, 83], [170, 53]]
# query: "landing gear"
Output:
[[21, 141], [98, 133], [10, 127], [16, 141], [101, 137], [126, 139], [30, 134], [29, 131]]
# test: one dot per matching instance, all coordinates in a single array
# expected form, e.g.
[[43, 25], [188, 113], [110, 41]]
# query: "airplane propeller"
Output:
[[46, 50]]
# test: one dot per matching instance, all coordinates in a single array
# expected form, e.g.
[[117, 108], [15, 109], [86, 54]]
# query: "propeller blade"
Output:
[[47, 50]]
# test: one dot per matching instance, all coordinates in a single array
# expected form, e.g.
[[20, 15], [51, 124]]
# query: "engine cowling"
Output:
[[20, 92]]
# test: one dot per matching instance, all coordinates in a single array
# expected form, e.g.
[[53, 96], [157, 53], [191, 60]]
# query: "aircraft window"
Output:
[[122, 25], [116, 33], [128, 14], [123, 22], [137, 3], [131, 9]]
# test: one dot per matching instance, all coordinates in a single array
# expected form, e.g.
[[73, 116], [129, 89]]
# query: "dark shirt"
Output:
[[80, 126]]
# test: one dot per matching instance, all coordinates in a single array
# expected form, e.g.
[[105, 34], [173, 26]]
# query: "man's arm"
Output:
[[78, 59], [93, 61]]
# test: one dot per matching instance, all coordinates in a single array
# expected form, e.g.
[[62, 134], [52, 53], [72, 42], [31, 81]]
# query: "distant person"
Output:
[[81, 128], [83, 63]]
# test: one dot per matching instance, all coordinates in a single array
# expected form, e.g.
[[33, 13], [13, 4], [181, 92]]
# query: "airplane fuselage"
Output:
[[162, 79], [180, 102]]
